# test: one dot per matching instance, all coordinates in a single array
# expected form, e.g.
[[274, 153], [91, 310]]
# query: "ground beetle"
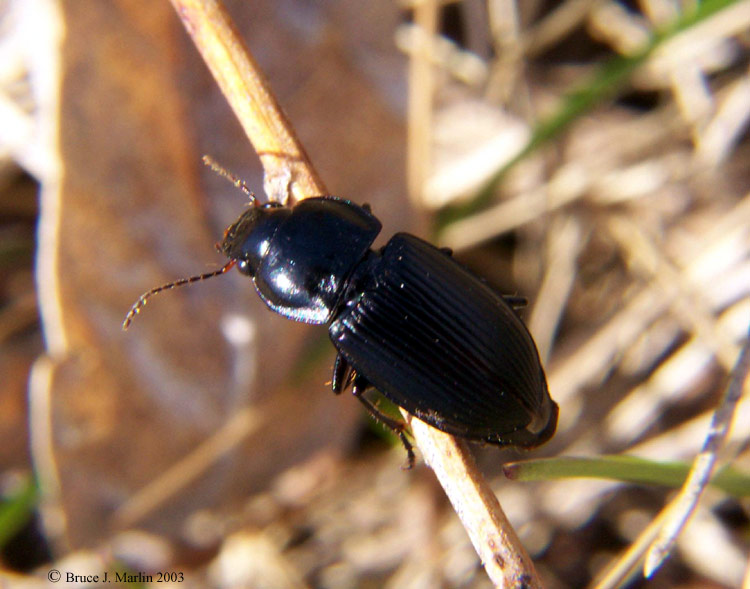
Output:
[[407, 319]]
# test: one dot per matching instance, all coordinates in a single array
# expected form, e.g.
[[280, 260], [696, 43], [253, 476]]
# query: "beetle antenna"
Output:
[[222, 171], [139, 304]]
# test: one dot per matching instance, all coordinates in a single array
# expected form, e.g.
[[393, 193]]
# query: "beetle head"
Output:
[[247, 240]]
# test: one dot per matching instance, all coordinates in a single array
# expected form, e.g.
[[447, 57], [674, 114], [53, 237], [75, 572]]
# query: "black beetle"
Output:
[[407, 319]]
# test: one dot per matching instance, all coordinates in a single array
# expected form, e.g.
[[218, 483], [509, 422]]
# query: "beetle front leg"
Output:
[[397, 427]]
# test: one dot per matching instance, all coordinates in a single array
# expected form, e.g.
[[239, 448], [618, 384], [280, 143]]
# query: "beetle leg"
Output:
[[515, 301], [447, 251], [342, 374], [366, 206], [397, 427]]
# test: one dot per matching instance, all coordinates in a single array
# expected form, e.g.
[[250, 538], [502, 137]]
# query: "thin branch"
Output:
[[288, 171], [503, 556], [287, 167], [681, 507]]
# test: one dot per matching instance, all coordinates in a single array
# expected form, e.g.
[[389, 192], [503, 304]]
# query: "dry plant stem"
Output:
[[501, 552], [622, 568], [688, 306], [499, 548], [421, 84], [182, 473], [680, 508], [583, 367], [564, 18], [288, 171], [564, 242]]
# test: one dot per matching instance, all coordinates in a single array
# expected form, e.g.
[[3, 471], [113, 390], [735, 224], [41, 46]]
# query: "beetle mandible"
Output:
[[407, 319]]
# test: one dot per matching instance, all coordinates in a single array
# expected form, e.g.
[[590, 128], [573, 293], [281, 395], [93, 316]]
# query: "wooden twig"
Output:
[[290, 173], [503, 556]]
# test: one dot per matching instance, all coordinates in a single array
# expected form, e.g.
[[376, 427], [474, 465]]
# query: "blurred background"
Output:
[[590, 155]]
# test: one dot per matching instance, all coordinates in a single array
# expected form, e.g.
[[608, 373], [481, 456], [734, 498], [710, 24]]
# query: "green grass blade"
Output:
[[626, 469], [16, 510]]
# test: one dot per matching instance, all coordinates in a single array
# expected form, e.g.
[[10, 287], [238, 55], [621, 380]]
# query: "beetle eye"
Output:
[[245, 268]]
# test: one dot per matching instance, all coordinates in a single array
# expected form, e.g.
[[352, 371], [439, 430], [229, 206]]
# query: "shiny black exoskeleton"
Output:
[[406, 319]]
